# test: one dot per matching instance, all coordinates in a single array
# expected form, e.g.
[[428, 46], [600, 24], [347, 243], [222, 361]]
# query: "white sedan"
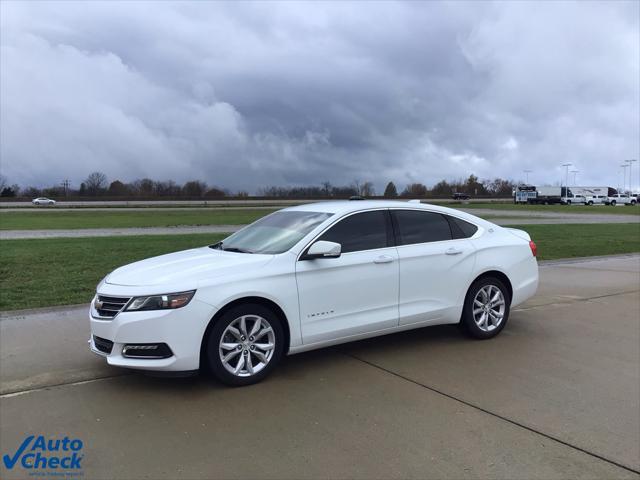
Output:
[[43, 201], [307, 277]]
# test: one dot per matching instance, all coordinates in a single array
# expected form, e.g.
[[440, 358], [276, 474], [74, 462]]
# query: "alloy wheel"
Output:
[[247, 345], [489, 308]]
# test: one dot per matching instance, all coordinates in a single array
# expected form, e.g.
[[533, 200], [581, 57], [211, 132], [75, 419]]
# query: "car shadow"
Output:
[[307, 365]]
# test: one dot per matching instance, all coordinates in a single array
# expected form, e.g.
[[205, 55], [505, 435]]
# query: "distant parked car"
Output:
[[621, 199], [43, 201], [461, 196], [574, 200], [596, 199]]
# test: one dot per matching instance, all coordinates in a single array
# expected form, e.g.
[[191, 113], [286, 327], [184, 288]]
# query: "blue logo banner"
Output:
[[39, 454]]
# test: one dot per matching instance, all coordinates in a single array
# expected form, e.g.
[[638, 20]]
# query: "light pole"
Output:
[[527, 172], [574, 176], [630, 162], [624, 176], [566, 166]]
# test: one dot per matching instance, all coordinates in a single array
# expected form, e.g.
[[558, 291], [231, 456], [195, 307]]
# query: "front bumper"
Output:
[[181, 329]]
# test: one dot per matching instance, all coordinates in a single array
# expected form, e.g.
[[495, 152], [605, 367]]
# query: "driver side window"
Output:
[[361, 231]]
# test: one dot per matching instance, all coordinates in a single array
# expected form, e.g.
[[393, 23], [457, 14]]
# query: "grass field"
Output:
[[39, 273], [75, 219], [122, 218], [48, 272], [580, 240]]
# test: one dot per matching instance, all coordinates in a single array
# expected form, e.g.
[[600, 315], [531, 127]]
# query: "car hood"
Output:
[[188, 266]]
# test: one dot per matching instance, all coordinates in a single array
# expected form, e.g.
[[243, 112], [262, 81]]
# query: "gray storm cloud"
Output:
[[244, 95]]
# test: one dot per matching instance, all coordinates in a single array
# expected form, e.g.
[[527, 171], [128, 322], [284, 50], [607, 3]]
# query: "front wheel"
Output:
[[245, 345], [613, 203], [632, 202], [486, 308], [590, 203]]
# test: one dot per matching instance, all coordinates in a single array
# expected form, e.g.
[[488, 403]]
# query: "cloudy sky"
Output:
[[243, 95]]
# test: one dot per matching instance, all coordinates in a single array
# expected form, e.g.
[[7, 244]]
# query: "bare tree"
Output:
[[415, 190], [367, 189], [194, 188], [95, 183]]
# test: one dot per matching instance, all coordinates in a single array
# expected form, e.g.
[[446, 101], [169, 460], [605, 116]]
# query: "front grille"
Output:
[[109, 307], [103, 344]]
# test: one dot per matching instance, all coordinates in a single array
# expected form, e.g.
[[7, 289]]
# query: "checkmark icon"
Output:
[[10, 462]]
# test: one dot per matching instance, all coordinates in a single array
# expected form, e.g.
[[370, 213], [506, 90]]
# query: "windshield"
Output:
[[275, 233]]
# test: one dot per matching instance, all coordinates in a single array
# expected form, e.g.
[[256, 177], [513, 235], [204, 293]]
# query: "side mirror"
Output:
[[323, 249]]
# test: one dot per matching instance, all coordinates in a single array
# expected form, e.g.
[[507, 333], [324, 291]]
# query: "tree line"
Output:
[[97, 185]]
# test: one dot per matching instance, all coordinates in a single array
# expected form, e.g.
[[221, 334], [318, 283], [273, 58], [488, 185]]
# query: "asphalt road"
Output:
[[556, 395]]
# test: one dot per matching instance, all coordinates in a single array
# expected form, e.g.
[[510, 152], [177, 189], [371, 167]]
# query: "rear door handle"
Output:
[[453, 251], [383, 259]]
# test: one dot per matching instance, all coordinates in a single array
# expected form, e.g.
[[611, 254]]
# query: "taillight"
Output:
[[534, 248]]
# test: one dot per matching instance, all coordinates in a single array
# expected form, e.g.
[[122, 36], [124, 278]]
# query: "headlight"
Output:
[[160, 302]]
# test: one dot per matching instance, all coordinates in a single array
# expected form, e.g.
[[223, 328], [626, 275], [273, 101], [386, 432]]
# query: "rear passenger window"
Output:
[[362, 231], [460, 228], [420, 227]]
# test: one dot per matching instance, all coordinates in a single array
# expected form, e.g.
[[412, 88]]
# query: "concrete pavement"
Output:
[[556, 395]]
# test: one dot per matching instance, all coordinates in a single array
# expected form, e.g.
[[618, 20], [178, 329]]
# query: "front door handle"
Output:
[[453, 251], [383, 259]]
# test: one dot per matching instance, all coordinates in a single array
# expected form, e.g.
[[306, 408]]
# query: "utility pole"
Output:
[[527, 172], [566, 166], [66, 184], [574, 176], [630, 162], [624, 177]]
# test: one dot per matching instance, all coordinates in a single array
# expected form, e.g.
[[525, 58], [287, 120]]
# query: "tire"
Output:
[[251, 356], [568, 202], [613, 203], [632, 202], [491, 327], [37, 203], [590, 203]]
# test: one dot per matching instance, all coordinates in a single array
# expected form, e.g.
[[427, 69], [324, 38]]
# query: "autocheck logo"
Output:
[[37, 453]]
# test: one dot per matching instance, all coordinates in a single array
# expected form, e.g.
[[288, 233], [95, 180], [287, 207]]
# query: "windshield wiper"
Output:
[[236, 249], [218, 246]]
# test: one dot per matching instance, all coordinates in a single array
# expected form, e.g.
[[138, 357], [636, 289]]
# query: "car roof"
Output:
[[348, 206]]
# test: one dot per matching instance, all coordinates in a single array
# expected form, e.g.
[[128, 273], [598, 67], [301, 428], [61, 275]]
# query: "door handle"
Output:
[[453, 251], [383, 259]]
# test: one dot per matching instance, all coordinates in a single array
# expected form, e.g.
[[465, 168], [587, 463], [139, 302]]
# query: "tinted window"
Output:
[[362, 231], [420, 227], [460, 228]]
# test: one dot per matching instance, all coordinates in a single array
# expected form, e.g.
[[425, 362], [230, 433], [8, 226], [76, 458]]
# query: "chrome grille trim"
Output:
[[107, 307]]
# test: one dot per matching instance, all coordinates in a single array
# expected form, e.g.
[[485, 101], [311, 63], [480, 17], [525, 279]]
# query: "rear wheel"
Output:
[[486, 308], [613, 203], [245, 345], [590, 203]]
